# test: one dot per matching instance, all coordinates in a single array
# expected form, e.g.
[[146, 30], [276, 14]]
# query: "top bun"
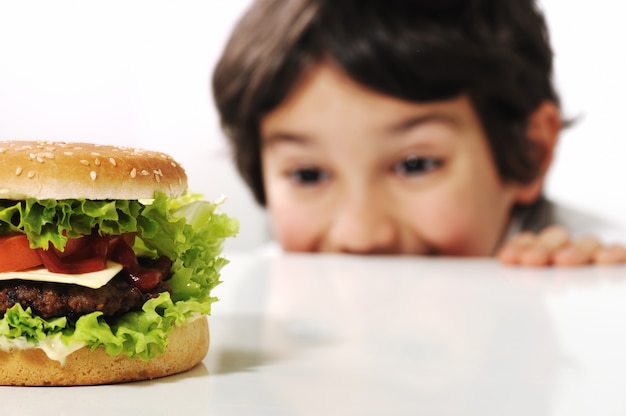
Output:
[[57, 170]]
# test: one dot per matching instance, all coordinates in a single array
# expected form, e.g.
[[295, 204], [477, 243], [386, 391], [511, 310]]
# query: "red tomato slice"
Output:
[[81, 255], [16, 254], [56, 264]]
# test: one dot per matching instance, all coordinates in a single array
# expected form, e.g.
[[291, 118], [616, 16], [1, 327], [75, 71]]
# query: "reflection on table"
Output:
[[326, 334]]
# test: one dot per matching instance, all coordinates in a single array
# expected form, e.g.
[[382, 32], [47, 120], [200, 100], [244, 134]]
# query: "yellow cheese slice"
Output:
[[93, 280]]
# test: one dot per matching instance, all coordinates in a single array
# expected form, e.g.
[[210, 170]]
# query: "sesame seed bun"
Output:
[[187, 346], [57, 170]]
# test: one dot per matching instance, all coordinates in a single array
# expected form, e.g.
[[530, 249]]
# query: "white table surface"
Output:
[[333, 335]]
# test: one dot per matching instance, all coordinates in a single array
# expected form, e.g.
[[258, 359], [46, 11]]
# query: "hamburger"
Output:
[[107, 263]]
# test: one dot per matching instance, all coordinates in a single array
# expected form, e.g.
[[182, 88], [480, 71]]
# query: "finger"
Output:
[[513, 248], [524, 239], [612, 254], [509, 254], [577, 253], [553, 237], [588, 244], [571, 255], [535, 256]]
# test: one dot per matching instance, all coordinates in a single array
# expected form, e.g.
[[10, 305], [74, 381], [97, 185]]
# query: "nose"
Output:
[[363, 224]]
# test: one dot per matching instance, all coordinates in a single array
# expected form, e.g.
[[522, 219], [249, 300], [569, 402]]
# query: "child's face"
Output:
[[350, 170]]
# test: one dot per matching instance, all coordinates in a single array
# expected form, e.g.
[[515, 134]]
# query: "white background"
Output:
[[137, 73]]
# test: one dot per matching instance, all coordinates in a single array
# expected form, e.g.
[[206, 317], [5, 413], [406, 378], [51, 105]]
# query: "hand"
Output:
[[553, 246]]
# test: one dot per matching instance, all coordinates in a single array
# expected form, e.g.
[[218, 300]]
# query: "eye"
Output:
[[308, 176], [414, 165]]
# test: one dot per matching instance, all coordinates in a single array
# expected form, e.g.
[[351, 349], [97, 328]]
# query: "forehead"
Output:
[[326, 99]]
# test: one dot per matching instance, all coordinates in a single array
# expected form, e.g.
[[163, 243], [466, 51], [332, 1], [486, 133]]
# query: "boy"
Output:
[[401, 127]]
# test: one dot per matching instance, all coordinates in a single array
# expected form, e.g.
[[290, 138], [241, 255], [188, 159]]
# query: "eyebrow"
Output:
[[281, 137], [418, 120], [399, 127]]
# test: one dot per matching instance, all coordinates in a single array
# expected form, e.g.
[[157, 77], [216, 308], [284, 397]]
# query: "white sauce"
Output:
[[54, 348]]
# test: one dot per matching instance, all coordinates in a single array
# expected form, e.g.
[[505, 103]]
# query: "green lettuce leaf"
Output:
[[188, 230], [54, 221]]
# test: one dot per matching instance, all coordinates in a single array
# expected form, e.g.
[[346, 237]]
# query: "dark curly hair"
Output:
[[497, 52]]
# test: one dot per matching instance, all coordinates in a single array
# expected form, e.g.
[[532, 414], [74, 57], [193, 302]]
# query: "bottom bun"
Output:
[[187, 346]]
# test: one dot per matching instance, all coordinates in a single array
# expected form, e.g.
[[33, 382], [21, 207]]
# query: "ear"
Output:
[[543, 129]]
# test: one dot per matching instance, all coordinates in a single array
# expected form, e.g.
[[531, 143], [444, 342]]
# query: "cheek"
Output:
[[293, 227], [459, 223], [450, 231]]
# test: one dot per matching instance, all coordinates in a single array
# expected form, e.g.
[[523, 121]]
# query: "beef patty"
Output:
[[50, 300]]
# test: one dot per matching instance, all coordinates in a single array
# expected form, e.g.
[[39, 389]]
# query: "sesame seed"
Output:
[[68, 153], [31, 174], [49, 155], [113, 162], [133, 173], [40, 159], [173, 164], [145, 172], [84, 162], [93, 175], [18, 171], [97, 162]]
